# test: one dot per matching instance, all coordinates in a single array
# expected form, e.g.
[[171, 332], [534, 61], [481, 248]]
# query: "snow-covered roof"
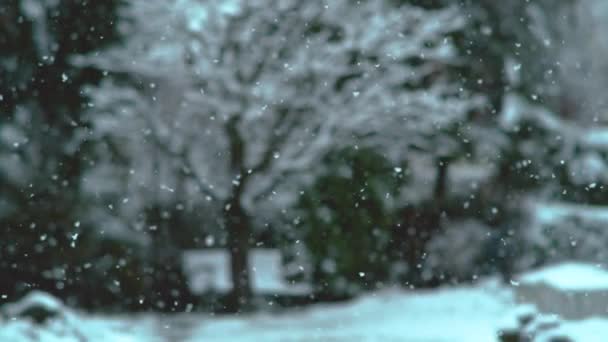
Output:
[[209, 270], [570, 276]]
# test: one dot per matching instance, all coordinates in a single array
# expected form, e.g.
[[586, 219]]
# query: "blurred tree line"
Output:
[[125, 141]]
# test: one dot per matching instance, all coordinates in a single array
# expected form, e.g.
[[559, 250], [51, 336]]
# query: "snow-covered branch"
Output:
[[270, 87]]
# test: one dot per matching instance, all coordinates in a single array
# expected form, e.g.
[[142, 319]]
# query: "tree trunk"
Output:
[[439, 195], [237, 223], [238, 229], [441, 181]]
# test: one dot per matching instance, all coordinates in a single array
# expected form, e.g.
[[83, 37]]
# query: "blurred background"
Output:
[[234, 155]]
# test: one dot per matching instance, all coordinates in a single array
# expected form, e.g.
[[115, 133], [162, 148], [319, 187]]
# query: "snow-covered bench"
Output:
[[571, 290]]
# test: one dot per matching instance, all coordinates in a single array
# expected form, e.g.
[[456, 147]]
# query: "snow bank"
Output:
[[41, 317], [36, 305]]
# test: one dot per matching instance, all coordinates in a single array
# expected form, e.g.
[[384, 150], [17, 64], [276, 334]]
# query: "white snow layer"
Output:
[[451, 314], [470, 314], [570, 276], [63, 324]]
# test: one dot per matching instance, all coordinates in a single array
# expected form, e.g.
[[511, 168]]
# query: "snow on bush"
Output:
[[39, 316]]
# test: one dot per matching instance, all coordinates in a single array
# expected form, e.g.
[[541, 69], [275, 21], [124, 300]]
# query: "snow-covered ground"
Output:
[[468, 313], [455, 314], [450, 314]]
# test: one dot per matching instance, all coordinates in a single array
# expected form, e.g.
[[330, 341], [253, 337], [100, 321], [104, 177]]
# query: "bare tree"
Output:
[[244, 98]]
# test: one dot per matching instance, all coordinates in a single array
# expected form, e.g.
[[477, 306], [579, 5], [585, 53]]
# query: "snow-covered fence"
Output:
[[208, 271], [570, 290]]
